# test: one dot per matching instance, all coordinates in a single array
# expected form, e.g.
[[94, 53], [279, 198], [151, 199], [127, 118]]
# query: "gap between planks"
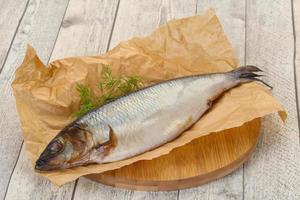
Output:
[[113, 25], [14, 35], [58, 32], [1, 68], [294, 63], [245, 61], [6, 189]]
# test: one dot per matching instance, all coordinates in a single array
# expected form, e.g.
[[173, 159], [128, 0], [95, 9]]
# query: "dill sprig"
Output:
[[109, 88], [87, 99]]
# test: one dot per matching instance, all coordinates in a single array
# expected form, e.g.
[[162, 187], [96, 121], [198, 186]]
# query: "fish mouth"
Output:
[[42, 165]]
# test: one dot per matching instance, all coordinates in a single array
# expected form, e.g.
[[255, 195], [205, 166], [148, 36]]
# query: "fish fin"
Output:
[[80, 126], [112, 136], [246, 74], [108, 145], [74, 125]]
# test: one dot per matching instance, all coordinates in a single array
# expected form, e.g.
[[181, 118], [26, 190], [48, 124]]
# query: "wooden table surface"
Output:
[[263, 33]]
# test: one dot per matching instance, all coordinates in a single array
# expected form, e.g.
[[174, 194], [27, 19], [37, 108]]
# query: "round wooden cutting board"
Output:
[[200, 161]]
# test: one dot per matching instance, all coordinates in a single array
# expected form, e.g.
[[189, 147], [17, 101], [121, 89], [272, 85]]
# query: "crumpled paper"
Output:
[[46, 97]]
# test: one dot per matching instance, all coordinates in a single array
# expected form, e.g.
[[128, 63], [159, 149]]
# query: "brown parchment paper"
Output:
[[46, 97]]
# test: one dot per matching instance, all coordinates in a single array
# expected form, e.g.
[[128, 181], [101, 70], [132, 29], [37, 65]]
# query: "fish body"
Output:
[[140, 121]]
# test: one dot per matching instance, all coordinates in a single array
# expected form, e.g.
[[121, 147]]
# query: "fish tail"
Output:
[[247, 74]]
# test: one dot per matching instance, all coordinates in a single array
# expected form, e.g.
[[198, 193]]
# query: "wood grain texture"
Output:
[[273, 172], [9, 24], [140, 18], [39, 27], [86, 28], [202, 160], [217, 190], [232, 16], [137, 18], [26, 185]]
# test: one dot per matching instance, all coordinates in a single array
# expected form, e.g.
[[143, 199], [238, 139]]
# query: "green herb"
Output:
[[87, 99], [109, 88]]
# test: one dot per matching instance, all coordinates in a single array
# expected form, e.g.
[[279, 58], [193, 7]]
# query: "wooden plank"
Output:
[[144, 17], [104, 11], [273, 172], [232, 17], [296, 15], [89, 190], [38, 27], [24, 184], [228, 187], [86, 28], [9, 24], [136, 195]]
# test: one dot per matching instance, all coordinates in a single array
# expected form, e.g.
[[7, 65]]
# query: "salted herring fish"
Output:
[[140, 121]]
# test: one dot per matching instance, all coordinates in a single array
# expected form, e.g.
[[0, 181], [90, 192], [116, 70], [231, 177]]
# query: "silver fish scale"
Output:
[[136, 105]]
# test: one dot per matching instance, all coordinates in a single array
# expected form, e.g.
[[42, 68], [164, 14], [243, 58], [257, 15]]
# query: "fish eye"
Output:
[[56, 146]]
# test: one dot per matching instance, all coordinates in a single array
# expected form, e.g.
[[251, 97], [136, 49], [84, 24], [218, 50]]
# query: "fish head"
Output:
[[70, 148]]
